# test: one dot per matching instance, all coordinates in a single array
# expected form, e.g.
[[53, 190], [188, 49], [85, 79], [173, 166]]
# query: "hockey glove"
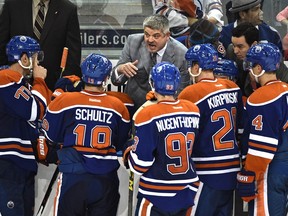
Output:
[[126, 153], [70, 83], [45, 152], [151, 96], [246, 185]]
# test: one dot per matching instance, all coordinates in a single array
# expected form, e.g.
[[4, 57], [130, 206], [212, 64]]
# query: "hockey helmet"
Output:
[[267, 55], [165, 78], [227, 68], [204, 54], [22, 44], [95, 68]]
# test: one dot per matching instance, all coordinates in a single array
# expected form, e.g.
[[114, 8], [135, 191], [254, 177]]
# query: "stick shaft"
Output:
[[63, 60]]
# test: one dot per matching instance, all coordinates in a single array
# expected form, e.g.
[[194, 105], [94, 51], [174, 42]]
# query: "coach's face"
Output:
[[155, 39]]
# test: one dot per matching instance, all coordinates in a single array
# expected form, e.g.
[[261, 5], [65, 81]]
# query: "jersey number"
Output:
[[257, 122], [225, 116], [100, 136], [179, 146]]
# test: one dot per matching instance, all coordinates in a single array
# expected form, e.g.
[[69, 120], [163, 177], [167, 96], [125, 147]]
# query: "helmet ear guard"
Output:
[[165, 78], [95, 69]]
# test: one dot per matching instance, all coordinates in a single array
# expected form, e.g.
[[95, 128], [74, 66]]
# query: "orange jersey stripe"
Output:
[[139, 168], [145, 208], [215, 165], [274, 149], [93, 150], [15, 146], [176, 188]]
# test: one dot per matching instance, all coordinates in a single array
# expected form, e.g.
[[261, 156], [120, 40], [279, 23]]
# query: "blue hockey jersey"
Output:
[[21, 106], [215, 152], [267, 110], [161, 154], [95, 124]]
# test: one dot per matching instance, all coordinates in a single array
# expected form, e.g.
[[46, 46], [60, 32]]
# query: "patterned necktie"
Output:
[[39, 21], [154, 58]]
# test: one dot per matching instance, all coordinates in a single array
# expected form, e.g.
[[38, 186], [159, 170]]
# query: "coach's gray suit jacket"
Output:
[[135, 49]]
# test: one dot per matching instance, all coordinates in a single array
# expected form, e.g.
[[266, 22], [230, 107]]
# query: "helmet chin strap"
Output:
[[194, 75], [30, 67], [256, 76]]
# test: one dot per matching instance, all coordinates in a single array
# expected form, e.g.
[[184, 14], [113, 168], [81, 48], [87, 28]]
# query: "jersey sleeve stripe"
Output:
[[218, 165], [261, 154], [264, 139], [140, 162], [262, 147], [221, 158], [16, 146]]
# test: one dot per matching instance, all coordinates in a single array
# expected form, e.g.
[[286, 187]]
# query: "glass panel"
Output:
[[106, 24]]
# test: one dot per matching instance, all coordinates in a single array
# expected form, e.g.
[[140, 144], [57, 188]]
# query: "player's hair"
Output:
[[248, 30], [157, 22]]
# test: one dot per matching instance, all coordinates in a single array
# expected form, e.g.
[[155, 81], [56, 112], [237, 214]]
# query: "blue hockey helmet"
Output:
[[22, 44], [95, 68], [204, 54], [165, 78], [267, 55], [227, 68]]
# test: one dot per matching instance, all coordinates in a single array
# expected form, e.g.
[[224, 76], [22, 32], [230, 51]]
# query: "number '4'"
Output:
[[257, 122]]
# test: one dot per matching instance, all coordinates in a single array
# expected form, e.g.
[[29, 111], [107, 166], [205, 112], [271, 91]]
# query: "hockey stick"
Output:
[[63, 60], [48, 192], [130, 195], [55, 174]]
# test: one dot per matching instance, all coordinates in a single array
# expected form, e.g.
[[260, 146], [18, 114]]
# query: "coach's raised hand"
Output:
[[129, 69]]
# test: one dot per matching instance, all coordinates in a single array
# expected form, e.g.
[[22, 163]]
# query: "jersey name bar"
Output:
[[221, 99], [93, 115], [177, 122]]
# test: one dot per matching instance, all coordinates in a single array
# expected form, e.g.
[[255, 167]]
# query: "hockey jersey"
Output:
[[128, 102], [21, 106], [161, 154], [267, 110], [95, 124], [215, 152]]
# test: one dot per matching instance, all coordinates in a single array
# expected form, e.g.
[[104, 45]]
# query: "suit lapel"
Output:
[[27, 19], [49, 19], [169, 52]]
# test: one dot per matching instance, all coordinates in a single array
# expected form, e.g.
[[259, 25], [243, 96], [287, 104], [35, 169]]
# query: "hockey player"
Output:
[[215, 152], [226, 69], [92, 126], [21, 105], [165, 133], [263, 181]]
